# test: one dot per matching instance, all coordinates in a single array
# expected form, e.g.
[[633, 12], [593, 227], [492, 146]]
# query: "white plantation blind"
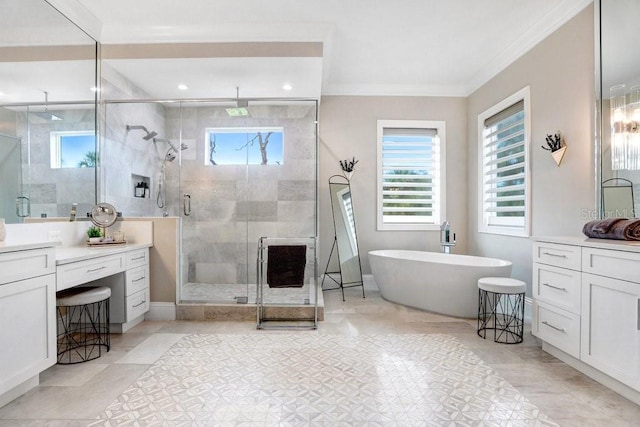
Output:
[[409, 172], [504, 168]]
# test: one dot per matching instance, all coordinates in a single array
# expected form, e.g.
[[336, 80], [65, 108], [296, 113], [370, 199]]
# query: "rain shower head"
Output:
[[241, 108], [45, 115], [148, 136]]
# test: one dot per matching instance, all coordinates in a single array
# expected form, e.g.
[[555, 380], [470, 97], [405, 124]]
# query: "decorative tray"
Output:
[[106, 243]]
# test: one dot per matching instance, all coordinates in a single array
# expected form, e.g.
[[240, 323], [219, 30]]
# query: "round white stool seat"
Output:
[[502, 285], [82, 296]]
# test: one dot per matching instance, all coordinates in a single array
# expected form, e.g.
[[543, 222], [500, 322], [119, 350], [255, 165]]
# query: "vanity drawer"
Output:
[[136, 258], [137, 280], [558, 327], [565, 256], [21, 265], [137, 304], [616, 264], [75, 273], [557, 286]]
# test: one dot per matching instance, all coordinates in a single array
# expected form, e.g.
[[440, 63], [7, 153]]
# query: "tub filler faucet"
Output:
[[446, 242]]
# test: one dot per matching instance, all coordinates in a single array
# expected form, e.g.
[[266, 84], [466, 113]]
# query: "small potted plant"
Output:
[[95, 234], [555, 144], [347, 167]]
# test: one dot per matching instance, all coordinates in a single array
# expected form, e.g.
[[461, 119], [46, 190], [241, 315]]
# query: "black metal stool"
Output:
[[83, 323], [501, 309]]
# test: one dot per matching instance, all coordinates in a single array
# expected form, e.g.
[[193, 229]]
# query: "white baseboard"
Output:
[[161, 311]]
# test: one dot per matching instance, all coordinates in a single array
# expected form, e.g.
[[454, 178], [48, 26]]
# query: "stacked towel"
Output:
[[613, 228], [285, 266]]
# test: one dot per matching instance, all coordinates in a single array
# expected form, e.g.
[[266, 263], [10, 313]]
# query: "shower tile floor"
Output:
[[369, 363]]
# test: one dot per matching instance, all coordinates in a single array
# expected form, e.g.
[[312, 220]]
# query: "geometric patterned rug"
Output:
[[283, 378]]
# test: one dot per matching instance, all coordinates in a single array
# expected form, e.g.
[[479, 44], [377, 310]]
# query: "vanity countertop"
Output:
[[12, 245], [68, 254], [619, 245]]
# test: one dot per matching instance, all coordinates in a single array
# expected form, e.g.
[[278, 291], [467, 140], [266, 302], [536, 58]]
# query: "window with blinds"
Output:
[[410, 174], [504, 166]]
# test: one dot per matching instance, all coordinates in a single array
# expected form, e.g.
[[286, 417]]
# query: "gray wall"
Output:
[[560, 73], [348, 129]]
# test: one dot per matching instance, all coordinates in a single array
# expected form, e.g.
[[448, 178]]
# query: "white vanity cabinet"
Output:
[[130, 292], [124, 269], [587, 305], [556, 291], [610, 339], [27, 318]]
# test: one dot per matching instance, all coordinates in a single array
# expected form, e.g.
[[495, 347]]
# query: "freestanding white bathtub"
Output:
[[433, 281]]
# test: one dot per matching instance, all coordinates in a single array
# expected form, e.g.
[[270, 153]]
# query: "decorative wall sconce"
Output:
[[625, 128], [347, 167], [557, 146]]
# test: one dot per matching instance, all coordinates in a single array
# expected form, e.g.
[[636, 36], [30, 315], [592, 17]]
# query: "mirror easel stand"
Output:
[[617, 198], [341, 285], [339, 188]]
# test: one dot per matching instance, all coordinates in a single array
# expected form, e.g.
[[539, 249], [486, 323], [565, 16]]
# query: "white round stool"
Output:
[[83, 323], [501, 309]]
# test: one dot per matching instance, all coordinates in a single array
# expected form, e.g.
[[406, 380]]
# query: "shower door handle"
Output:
[[186, 204], [21, 201]]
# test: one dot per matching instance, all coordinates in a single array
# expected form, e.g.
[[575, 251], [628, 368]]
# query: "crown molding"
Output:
[[392, 90]]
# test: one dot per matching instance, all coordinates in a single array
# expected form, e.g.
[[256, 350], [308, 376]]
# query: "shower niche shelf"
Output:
[[141, 186]]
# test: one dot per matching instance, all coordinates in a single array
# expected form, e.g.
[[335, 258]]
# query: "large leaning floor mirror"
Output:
[[345, 243]]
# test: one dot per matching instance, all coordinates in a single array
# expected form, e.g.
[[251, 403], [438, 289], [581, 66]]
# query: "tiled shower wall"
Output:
[[233, 206], [126, 156]]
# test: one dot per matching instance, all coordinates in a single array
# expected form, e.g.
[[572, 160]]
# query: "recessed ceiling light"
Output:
[[182, 86], [287, 86]]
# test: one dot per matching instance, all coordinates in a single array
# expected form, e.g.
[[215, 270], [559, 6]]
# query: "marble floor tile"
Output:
[[150, 349], [71, 375], [301, 377], [73, 403]]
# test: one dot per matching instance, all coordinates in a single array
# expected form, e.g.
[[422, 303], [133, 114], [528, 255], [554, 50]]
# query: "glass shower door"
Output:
[[11, 178], [213, 183]]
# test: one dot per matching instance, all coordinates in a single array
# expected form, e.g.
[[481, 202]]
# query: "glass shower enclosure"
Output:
[[232, 173], [249, 172]]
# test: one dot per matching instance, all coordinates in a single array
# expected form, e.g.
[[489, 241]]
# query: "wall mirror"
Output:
[[618, 90], [345, 244], [47, 113]]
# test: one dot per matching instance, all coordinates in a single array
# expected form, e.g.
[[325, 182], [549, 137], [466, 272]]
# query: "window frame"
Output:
[[55, 150], [240, 130], [506, 226], [440, 127]]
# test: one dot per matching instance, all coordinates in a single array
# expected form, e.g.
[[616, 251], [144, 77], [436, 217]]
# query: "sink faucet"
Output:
[[445, 238]]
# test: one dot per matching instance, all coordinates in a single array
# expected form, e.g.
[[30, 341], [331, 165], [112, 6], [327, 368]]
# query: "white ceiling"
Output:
[[371, 47]]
